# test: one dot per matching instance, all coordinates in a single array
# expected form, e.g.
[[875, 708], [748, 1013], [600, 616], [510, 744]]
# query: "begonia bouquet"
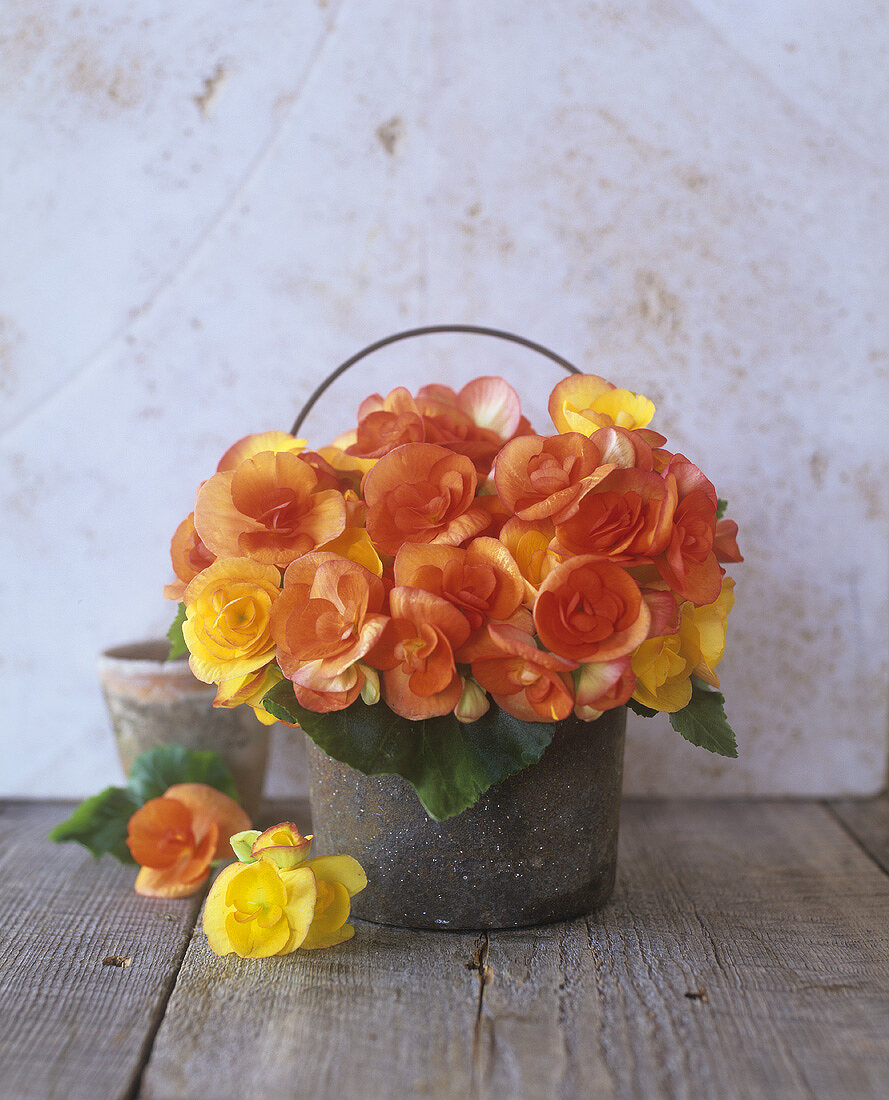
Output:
[[433, 592]]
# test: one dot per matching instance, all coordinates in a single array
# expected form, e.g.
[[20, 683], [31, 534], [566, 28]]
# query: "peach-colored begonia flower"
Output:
[[528, 683], [386, 423], [326, 619], [270, 508], [602, 686], [541, 477], [590, 610], [252, 445], [481, 580], [227, 624], [176, 837], [585, 403], [416, 654], [422, 493], [188, 555]]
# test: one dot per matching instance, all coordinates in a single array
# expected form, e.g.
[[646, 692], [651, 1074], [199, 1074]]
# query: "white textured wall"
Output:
[[208, 205]]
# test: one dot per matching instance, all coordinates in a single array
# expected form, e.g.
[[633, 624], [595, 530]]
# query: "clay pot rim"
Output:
[[137, 660]]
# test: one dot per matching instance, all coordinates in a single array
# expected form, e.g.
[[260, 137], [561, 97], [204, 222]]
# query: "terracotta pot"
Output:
[[154, 702], [539, 847]]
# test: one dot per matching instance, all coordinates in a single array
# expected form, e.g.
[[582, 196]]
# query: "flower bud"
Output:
[[242, 843], [473, 702], [370, 690]]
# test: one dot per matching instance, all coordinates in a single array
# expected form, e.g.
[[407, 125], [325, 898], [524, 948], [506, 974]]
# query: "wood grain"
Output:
[[72, 1027], [774, 921], [390, 1014], [745, 954], [868, 821]]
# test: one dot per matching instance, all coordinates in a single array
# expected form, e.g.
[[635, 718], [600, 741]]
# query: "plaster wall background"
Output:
[[207, 206]]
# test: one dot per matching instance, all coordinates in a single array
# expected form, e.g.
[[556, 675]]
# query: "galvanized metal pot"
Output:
[[539, 847]]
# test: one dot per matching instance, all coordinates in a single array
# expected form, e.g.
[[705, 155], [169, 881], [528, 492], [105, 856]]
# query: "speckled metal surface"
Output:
[[540, 847]]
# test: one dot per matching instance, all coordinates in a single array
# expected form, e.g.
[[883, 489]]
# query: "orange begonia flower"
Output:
[[725, 542], [585, 402], [386, 423], [252, 445], [545, 477], [176, 837], [627, 518], [416, 654], [590, 610], [531, 546], [482, 580], [625, 447], [422, 493], [528, 683], [189, 557], [688, 563], [602, 686], [325, 620], [227, 610], [270, 508]]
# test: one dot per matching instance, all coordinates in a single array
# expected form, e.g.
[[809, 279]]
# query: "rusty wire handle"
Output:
[[477, 330]]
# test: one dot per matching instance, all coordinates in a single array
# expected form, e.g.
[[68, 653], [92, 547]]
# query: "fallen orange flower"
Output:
[[176, 837]]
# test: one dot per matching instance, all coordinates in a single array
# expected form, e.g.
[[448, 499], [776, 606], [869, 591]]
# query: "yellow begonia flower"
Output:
[[227, 610], [354, 543], [338, 879], [250, 689], [256, 910], [585, 403], [247, 915], [664, 666]]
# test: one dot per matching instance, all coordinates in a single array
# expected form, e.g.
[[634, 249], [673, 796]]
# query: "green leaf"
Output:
[[643, 711], [721, 506], [177, 642], [100, 823], [156, 770], [447, 763], [703, 722]]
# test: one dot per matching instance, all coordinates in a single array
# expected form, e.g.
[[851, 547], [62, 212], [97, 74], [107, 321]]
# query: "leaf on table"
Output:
[[100, 823], [162, 767]]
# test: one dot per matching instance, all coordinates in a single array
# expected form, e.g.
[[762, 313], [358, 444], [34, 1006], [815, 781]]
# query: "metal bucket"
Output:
[[539, 847]]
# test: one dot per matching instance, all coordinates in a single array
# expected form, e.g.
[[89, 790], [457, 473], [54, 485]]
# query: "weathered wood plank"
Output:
[[389, 1014], [73, 1027], [769, 914], [868, 821]]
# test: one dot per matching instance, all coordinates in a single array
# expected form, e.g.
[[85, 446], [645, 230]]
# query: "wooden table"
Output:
[[745, 954]]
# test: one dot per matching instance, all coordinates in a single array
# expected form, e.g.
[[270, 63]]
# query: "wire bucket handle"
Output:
[[427, 330]]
